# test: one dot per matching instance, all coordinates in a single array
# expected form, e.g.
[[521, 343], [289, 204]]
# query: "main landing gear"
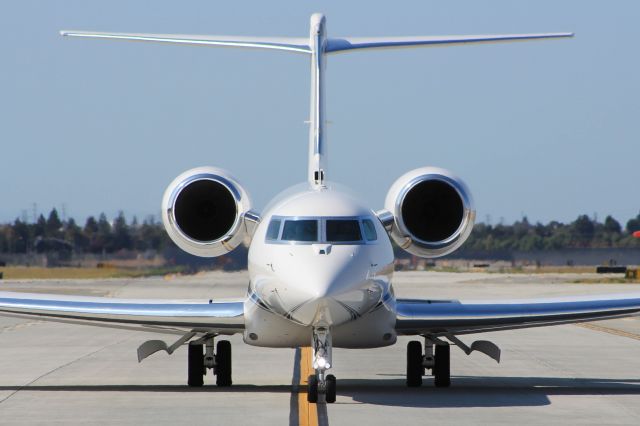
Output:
[[438, 361], [320, 384], [219, 362]]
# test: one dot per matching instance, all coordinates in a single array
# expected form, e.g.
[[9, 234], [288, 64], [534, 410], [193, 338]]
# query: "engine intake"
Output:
[[204, 212], [432, 212]]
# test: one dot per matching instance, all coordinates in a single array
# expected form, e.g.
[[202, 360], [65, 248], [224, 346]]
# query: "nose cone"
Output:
[[333, 289], [323, 272]]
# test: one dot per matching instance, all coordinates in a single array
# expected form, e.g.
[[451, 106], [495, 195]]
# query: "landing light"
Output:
[[322, 363]]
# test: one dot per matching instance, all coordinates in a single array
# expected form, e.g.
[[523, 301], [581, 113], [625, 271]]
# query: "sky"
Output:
[[546, 129]]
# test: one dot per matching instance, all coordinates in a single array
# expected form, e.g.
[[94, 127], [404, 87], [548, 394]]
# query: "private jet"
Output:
[[321, 261]]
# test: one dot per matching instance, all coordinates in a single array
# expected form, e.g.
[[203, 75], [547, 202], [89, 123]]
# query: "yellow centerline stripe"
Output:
[[307, 411], [609, 330]]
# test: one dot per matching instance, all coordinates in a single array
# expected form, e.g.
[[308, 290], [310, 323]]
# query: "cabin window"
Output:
[[341, 230], [369, 230], [274, 229], [300, 230]]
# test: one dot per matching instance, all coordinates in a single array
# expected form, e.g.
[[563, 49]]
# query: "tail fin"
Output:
[[317, 45]]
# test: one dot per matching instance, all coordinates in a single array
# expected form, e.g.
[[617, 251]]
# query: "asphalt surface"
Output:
[[52, 373]]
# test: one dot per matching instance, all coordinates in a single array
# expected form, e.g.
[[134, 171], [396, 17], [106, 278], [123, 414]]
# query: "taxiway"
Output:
[[52, 373]]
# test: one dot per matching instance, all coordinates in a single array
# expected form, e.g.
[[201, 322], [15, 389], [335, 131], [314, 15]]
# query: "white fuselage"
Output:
[[324, 278]]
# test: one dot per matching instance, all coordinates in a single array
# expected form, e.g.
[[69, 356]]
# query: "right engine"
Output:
[[205, 211], [430, 212]]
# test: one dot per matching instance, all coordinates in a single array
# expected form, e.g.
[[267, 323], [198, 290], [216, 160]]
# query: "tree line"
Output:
[[101, 236], [95, 236], [584, 232]]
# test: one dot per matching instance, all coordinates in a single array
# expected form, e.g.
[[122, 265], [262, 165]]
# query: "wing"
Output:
[[456, 317], [168, 316], [335, 45]]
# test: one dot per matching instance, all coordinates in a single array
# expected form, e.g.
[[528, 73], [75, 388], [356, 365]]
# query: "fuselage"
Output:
[[320, 258]]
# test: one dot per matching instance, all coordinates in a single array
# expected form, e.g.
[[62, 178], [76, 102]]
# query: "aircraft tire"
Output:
[[442, 367], [330, 395], [312, 389], [195, 366], [223, 363], [415, 370]]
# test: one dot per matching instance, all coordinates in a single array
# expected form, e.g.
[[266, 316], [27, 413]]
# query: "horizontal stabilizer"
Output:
[[291, 44], [352, 43]]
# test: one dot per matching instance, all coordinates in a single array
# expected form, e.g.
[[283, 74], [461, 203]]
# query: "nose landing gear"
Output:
[[320, 384]]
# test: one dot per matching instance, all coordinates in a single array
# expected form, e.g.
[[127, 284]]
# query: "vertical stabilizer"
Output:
[[317, 134]]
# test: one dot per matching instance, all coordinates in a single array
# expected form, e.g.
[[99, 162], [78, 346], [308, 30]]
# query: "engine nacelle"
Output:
[[432, 210], [205, 211]]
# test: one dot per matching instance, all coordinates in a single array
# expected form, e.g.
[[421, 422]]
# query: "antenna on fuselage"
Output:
[[318, 45]]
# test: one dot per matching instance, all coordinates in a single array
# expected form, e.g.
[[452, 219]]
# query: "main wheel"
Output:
[[442, 367], [195, 366], [330, 395], [223, 363], [312, 389], [415, 370]]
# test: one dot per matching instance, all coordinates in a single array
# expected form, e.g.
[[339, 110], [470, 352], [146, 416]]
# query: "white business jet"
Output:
[[320, 261]]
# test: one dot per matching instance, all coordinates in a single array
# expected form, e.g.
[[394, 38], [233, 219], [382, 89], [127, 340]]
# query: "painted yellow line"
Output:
[[307, 411], [609, 330]]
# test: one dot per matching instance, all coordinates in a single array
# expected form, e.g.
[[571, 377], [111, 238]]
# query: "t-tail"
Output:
[[318, 46]]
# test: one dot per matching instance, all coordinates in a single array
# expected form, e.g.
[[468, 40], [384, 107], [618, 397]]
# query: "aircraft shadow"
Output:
[[465, 391], [468, 392], [150, 388]]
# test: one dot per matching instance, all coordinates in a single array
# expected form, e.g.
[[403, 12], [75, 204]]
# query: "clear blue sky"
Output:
[[547, 129]]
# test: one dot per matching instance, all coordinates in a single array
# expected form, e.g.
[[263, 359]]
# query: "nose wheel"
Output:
[[438, 361], [321, 384], [315, 388]]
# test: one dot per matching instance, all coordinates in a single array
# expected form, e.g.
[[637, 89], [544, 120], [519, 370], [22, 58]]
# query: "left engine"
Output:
[[206, 212]]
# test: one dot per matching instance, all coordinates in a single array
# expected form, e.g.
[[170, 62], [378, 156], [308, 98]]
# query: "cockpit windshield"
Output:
[[341, 230], [331, 230], [300, 230]]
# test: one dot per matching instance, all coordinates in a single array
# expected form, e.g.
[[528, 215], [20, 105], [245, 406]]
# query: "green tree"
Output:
[[634, 224], [90, 232], [612, 225], [40, 228], [53, 225], [583, 230], [21, 237], [75, 235], [104, 236], [121, 235]]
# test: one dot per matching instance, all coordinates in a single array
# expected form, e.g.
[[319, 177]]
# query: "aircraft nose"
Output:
[[337, 274], [326, 284]]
